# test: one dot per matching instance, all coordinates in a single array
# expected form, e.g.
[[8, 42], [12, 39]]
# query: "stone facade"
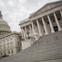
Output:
[[46, 28], [10, 44], [47, 49], [46, 20]]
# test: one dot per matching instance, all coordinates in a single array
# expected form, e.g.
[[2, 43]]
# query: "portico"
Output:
[[45, 23]]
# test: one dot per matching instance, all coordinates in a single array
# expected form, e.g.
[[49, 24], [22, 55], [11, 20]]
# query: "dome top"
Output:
[[3, 25]]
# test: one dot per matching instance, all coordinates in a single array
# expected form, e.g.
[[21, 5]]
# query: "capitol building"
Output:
[[10, 42], [40, 37], [46, 20]]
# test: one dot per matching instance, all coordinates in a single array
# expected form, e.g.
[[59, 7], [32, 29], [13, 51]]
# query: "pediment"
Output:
[[47, 7], [50, 6]]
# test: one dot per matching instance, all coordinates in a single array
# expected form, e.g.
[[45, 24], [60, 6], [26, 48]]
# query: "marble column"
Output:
[[45, 26], [39, 30], [25, 32], [30, 28], [33, 28], [50, 23], [61, 13], [57, 22]]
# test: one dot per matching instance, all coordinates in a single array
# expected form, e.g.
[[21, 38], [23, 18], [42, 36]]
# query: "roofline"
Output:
[[38, 11], [27, 20], [43, 6], [10, 35]]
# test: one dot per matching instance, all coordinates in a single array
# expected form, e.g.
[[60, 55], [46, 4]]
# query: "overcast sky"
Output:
[[15, 11]]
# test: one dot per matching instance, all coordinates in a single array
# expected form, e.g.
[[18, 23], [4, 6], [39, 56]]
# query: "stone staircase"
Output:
[[47, 49]]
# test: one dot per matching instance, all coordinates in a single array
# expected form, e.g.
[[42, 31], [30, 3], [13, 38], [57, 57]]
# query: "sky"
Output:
[[15, 11]]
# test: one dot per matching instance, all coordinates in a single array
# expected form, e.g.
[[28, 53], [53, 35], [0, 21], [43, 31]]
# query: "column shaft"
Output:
[[38, 25], [30, 28], [59, 28], [45, 28], [61, 13], [33, 27], [51, 26], [25, 32]]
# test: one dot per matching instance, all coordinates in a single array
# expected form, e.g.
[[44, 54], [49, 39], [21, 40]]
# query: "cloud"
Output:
[[16, 10]]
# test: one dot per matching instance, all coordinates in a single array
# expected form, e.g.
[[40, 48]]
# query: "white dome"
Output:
[[3, 25]]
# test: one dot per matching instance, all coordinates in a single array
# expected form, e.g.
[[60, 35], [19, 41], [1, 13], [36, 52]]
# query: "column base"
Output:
[[52, 31], [60, 29], [46, 33]]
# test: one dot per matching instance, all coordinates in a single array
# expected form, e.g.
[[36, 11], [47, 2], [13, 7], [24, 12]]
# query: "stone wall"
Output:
[[47, 49], [9, 44]]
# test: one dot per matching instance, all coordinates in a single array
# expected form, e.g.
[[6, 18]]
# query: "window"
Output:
[[8, 52], [12, 51]]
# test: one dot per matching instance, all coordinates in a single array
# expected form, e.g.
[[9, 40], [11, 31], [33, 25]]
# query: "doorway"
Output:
[[55, 28]]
